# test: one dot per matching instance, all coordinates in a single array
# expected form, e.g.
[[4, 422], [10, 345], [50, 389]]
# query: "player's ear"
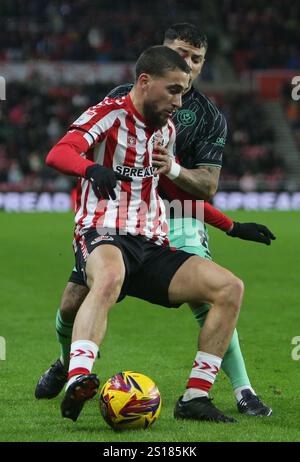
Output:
[[144, 81]]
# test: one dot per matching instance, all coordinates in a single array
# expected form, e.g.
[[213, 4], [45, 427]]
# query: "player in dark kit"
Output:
[[201, 135]]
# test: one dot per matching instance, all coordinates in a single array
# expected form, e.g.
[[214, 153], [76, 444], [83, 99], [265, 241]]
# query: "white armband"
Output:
[[174, 170]]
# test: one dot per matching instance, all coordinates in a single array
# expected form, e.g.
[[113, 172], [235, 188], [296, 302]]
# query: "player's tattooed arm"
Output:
[[202, 182]]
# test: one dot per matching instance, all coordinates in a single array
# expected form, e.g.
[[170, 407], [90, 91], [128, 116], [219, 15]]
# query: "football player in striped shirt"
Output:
[[195, 142], [121, 245]]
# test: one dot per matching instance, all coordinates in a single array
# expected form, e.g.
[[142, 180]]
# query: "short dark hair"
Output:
[[158, 60], [188, 33]]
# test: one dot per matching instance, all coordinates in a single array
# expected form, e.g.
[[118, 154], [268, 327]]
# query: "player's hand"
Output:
[[161, 160], [252, 232], [104, 180]]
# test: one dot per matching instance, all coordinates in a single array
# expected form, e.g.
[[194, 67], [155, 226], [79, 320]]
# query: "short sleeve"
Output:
[[209, 147]]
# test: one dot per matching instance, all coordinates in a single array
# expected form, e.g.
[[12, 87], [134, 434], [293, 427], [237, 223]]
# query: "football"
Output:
[[130, 400]]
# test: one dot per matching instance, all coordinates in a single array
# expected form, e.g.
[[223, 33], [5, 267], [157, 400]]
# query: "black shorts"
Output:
[[149, 267]]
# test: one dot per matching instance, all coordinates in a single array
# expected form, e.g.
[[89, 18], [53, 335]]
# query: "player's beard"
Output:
[[153, 118]]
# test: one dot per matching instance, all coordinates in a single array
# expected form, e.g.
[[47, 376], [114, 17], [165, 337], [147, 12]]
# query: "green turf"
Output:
[[36, 257]]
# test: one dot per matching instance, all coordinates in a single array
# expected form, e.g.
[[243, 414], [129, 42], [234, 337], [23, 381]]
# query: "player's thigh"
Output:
[[105, 267], [198, 280]]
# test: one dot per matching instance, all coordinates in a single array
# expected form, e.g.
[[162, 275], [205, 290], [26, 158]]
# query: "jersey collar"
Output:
[[133, 109]]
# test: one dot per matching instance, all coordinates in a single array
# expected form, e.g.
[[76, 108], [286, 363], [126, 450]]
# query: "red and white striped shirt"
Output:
[[114, 134]]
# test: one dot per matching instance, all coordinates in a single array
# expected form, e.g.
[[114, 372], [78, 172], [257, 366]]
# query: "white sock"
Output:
[[205, 368], [238, 391], [192, 393], [82, 356]]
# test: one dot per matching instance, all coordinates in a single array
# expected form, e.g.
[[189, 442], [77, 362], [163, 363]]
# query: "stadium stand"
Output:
[[270, 35], [37, 112], [292, 111], [81, 30]]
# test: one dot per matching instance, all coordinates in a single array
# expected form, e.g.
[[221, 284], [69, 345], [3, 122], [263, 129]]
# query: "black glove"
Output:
[[252, 232], [104, 180]]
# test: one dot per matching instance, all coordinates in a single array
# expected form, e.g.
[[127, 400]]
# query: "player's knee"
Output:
[[114, 279], [232, 293], [109, 285], [236, 292], [237, 287]]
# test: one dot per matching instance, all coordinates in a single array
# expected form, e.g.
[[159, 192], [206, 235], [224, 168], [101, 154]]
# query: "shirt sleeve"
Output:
[[66, 157], [212, 216], [69, 154], [216, 218], [94, 123], [209, 146]]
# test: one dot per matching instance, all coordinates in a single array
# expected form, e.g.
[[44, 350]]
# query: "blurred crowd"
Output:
[[252, 34], [87, 30], [32, 120], [262, 34], [250, 162], [35, 117], [292, 108]]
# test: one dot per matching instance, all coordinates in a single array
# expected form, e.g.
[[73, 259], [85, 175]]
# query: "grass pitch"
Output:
[[36, 259]]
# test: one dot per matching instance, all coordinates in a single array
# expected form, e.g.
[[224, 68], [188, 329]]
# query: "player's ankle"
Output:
[[192, 393], [72, 380], [64, 363], [238, 391]]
